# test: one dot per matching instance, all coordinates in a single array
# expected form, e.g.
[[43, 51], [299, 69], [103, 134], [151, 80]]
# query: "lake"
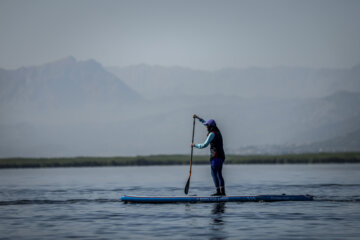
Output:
[[84, 203]]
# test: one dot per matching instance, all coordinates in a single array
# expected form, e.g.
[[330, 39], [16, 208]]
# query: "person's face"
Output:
[[207, 127]]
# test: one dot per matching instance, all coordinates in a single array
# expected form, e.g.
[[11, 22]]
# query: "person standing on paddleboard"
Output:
[[217, 154]]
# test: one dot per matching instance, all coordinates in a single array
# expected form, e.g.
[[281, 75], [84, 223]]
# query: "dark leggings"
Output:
[[216, 168]]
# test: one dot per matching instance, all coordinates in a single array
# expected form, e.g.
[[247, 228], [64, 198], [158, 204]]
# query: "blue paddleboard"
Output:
[[196, 199]]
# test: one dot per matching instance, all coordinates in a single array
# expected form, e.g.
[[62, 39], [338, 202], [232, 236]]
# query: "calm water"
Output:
[[83, 203]]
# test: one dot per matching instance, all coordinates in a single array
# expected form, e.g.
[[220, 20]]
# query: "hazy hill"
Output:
[[72, 108], [277, 82], [63, 84], [346, 143]]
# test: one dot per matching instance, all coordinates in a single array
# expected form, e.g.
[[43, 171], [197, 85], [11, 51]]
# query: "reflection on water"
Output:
[[217, 213], [217, 217]]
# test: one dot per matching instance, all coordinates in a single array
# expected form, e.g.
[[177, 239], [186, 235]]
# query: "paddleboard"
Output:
[[196, 199]]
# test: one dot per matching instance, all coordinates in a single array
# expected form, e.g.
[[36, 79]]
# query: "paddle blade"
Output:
[[187, 186]]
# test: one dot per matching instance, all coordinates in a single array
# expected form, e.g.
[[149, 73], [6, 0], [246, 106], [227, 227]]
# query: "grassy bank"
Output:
[[177, 160]]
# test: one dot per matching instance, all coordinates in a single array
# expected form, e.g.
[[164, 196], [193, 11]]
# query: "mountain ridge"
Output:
[[65, 81], [245, 82], [73, 108]]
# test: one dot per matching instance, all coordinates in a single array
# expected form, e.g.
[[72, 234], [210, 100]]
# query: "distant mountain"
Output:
[[280, 82], [66, 83], [346, 143], [325, 118], [77, 108]]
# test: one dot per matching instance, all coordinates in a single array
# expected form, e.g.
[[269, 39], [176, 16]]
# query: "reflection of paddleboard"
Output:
[[195, 199]]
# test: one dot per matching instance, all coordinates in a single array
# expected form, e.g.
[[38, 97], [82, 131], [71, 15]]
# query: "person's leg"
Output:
[[214, 175], [215, 179], [220, 178]]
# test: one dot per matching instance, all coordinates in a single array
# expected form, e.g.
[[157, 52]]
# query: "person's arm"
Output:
[[208, 140], [200, 119]]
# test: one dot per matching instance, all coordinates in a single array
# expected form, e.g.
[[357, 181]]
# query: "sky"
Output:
[[201, 34]]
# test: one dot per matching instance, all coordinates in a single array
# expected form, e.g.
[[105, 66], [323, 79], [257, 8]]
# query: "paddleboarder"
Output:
[[217, 154]]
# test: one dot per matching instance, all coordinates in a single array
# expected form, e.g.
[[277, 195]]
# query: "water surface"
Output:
[[84, 203]]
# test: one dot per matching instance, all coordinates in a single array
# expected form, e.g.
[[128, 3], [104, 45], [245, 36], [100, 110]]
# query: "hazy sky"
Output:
[[198, 34]]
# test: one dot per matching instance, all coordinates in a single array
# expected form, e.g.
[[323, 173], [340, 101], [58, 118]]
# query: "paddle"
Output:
[[187, 186]]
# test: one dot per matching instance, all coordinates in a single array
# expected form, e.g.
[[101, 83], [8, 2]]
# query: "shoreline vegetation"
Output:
[[309, 158]]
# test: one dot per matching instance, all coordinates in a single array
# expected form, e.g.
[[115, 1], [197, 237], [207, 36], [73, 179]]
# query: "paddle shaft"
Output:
[[192, 148], [187, 186]]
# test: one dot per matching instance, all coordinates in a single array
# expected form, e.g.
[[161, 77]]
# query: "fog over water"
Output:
[[124, 77]]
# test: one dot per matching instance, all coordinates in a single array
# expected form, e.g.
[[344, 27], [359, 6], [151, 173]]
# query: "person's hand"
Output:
[[192, 145], [194, 116]]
